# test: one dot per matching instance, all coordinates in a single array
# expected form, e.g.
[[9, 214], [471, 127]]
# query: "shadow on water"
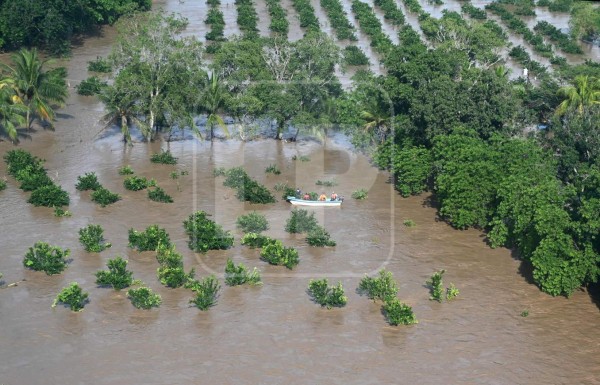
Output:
[[593, 291]]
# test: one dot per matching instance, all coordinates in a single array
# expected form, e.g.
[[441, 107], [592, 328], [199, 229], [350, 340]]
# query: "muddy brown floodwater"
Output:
[[271, 334]]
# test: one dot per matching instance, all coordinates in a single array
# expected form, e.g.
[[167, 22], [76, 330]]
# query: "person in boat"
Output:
[[323, 197], [298, 193], [334, 196], [306, 197]]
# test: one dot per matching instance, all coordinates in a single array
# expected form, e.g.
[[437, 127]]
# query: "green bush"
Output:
[[276, 254], [382, 288], [239, 275], [117, 276], [144, 298], [126, 170], [91, 86], [19, 159], [339, 20], [326, 183], [2, 184], [451, 292], [247, 188], [99, 65], [253, 223], [59, 212], [72, 296], [360, 194], [409, 223], [33, 177], [49, 196], [88, 181], [206, 291], [92, 238], [435, 286], [149, 239], [273, 169], [164, 157], [319, 237], [254, 240], [300, 221], [325, 295], [205, 234], [171, 272], [398, 313], [159, 195], [46, 258], [136, 183], [104, 197], [354, 56]]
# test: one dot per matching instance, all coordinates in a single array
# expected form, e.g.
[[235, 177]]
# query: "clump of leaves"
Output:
[[117, 276], [149, 239], [92, 238], [164, 157], [105, 197], [273, 169], [276, 254], [33, 177], [205, 234], [319, 237], [239, 275], [49, 196], [398, 313], [354, 56], [88, 181], [159, 195], [525, 313], [60, 212], [451, 292], [207, 292], [136, 183], [46, 258], [220, 171], [126, 170], [360, 194], [19, 159], [2, 184], [288, 192], [247, 188], [91, 86], [409, 223], [301, 158], [254, 240], [281, 186], [300, 221], [253, 223], [435, 286], [327, 183], [382, 287], [325, 295], [171, 273], [144, 298], [72, 296], [99, 65]]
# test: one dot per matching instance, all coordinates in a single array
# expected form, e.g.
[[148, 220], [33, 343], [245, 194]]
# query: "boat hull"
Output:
[[301, 202]]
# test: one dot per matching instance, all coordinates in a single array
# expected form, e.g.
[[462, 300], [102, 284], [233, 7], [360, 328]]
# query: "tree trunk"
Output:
[[151, 125], [280, 129]]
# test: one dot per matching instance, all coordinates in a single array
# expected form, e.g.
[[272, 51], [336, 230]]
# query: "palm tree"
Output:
[[120, 110], [584, 93], [36, 87], [11, 113], [376, 122], [212, 103]]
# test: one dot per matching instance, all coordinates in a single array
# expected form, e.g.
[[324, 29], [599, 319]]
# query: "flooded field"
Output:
[[274, 333]]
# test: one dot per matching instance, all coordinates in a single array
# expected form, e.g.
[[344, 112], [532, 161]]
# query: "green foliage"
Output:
[[104, 197], [435, 286], [144, 298], [326, 183], [215, 19], [451, 292], [92, 238], [99, 65], [59, 212], [473, 11], [88, 181], [371, 26], [254, 240], [46, 258], [171, 272], [91, 86], [354, 56], [247, 19], [282, 186], [136, 183], [391, 11], [273, 169], [206, 291], [149, 239], [239, 275], [325, 295], [165, 157], [126, 170], [2, 184], [159, 195], [411, 166], [19, 159], [306, 14], [319, 237], [525, 313], [382, 287], [117, 276], [409, 223], [398, 313], [360, 194], [253, 223], [339, 20], [300, 221], [563, 40], [33, 177], [247, 188], [205, 234], [279, 23], [49, 196], [72, 296], [276, 254]]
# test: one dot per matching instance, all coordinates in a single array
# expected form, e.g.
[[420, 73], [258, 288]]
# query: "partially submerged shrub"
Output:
[[165, 157], [59, 212], [144, 298], [254, 240], [239, 275], [49, 196], [126, 170], [205, 234], [87, 181], [2, 184], [19, 159], [326, 183], [360, 194], [276, 254], [149, 239], [46, 258], [136, 183], [117, 276], [247, 188], [159, 195], [409, 223], [398, 313], [91, 86], [319, 237], [300, 221], [206, 291], [325, 295], [382, 287], [451, 292], [253, 223], [33, 177], [273, 169], [99, 65], [72, 296], [435, 286], [104, 197], [92, 238], [354, 56], [171, 272]]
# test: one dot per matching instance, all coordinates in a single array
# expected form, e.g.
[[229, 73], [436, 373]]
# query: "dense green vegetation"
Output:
[[562, 40], [279, 23], [117, 276], [215, 19], [72, 296], [253, 223], [204, 234], [338, 19], [392, 13], [435, 286], [398, 313], [381, 288], [319, 237], [88, 181], [92, 238], [171, 272], [254, 240], [105, 197], [371, 26], [144, 298], [137, 183], [306, 14], [157, 194], [354, 56], [247, 188], [239, 274], [325, 295], [46, 258], [276, 254], [207, 292], [247, 18], [91, 86], [149, 239]]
